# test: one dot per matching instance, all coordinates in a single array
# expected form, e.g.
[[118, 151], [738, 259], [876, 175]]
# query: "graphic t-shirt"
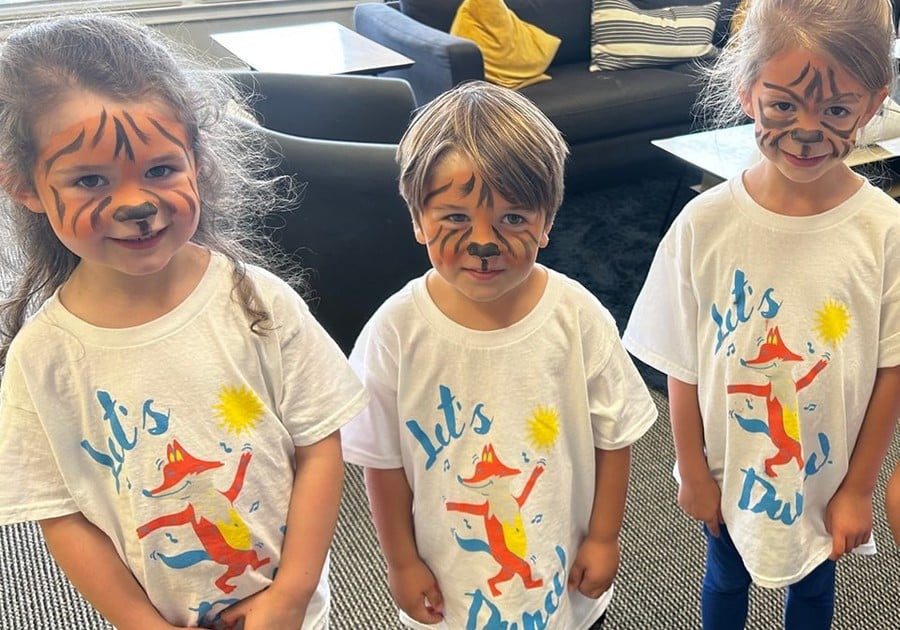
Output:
[[782, 322], [177, 437], [496, 432]]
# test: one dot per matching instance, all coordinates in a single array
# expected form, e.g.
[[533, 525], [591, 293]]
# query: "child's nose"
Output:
[[135, 213], [807, 136], [482, 231]]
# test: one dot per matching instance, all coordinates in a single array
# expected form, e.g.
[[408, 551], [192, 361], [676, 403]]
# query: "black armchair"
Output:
[[352, 108], [350, 228]]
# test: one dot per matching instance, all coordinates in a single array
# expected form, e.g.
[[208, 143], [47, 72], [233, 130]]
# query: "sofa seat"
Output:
[[589, 105]]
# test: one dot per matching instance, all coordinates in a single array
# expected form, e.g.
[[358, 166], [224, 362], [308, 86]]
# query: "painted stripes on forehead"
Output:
[[72, 147], [485, 194], [814, 89], [123, 141]]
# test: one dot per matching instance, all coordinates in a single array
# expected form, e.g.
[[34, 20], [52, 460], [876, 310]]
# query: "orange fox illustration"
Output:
[[502, 515], [210, 512], [774, 361]]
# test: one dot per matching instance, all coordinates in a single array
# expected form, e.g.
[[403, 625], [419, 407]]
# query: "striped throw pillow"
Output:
[[623, 36]]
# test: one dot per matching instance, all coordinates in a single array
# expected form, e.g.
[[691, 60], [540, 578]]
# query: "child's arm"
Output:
[[87, 557], [311, 519], [597, 560], [698, 495], [411, 582], [848, 517], [892, 503]]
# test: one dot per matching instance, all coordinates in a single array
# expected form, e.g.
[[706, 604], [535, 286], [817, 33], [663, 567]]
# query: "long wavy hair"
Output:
[[117, 57]]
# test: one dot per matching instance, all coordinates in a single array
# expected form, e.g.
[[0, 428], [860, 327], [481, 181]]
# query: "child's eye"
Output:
[[514, 219], [91, 181], [456, 218], [159, 171], [783, 106], [837, 110]]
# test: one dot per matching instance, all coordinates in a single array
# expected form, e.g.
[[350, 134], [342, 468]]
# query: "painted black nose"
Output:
[[135, 213], [483, 251], [806, 136]]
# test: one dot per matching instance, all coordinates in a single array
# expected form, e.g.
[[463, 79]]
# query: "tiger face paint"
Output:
[[482, 246], [117, 181], [807, 112]]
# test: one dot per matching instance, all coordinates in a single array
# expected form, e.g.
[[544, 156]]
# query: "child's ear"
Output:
[[746, 103], [874, 105], [545, 234], [27, 196], [417, 230]]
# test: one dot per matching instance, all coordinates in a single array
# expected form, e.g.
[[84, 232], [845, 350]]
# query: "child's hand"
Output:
[[417, 592], [848, 518], [595, 567], [267, 609], [702, 499]]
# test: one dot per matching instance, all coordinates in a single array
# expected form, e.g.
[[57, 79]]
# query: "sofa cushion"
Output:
[[723, 22], [623, 36], [515, 52], [587, 106]]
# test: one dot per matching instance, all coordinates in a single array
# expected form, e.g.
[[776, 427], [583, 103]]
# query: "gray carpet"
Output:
[[605, 239]]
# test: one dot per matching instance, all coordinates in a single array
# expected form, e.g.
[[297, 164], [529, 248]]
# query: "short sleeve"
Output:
[[620, 404], [24, 446], [372, 439], [320, 392], [662, 329]]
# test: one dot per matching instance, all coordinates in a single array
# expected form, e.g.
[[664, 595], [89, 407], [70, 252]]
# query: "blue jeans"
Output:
[[809, 604]]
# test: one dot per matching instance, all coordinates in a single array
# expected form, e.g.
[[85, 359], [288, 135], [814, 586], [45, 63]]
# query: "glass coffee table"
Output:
[[316, 48]]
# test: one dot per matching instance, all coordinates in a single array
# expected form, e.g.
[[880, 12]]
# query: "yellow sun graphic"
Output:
[[543, 428], [238, 409], [832, 322]]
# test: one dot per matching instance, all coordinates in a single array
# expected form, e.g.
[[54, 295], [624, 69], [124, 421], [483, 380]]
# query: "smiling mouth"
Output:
[[144, 236], [798, 160]]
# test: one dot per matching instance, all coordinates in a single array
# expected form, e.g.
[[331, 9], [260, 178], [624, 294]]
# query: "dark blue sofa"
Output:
[[608, 118]]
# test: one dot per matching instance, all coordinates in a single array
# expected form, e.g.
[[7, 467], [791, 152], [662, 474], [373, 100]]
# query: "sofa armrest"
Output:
[[441, 60]]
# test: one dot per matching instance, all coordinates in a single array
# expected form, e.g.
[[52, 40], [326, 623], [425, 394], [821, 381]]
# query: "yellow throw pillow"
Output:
[[515, 53], [738, 19]]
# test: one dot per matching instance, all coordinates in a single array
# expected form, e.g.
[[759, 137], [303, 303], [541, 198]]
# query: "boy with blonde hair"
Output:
[[497, 444]]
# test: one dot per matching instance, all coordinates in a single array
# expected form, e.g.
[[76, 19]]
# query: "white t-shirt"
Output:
[[782, 323], [176, 438], [496, 432]]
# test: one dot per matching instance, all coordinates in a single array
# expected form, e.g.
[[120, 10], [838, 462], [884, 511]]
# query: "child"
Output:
[[773, 304], [497, 444], [892, 503], [173, 411]]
